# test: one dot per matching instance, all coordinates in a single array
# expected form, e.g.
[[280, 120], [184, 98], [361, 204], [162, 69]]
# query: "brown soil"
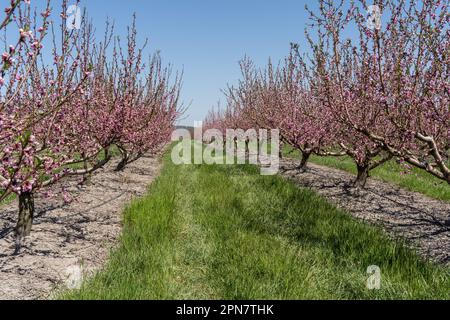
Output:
[[403, 214], [68, 237]]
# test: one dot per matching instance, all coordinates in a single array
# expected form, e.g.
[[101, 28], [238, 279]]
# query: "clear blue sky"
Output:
[[208, 37]]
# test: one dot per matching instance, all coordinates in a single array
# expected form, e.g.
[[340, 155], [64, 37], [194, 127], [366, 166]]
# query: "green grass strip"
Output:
[[226, 232]]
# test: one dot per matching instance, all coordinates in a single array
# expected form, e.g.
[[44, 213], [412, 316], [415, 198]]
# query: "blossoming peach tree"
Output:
[[33, 108], [373, 88], [390, 85], [57, 115]]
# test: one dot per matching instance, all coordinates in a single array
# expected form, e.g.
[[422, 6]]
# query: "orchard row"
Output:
[[67, 99], [371, 92]]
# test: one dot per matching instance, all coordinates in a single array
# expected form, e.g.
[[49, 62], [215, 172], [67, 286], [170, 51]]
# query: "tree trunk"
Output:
[[258, 146], [122, 164], [305, 157], [258, 150], [26, 213], [247, 150], [224, 150], [86, 176], [363, 174], [280, 152]]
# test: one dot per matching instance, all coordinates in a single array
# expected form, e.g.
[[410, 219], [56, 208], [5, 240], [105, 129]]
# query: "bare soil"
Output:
[[414, 217], [67, 237]]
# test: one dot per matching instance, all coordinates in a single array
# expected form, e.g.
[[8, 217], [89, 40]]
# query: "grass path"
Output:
[[225, 232]]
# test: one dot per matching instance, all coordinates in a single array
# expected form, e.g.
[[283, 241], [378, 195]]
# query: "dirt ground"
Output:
[[69, 241], [403, 214]]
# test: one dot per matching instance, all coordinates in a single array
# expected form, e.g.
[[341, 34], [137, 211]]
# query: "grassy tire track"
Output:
[[225, 232]]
